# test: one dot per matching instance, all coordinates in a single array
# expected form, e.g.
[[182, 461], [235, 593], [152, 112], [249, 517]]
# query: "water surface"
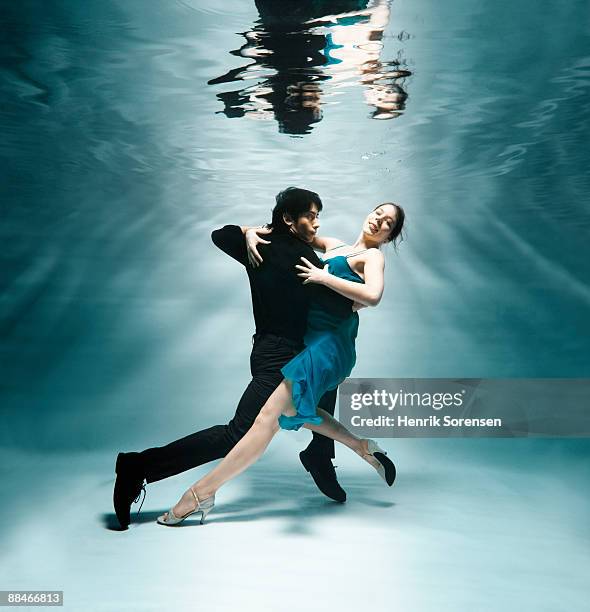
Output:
[[132, 129]]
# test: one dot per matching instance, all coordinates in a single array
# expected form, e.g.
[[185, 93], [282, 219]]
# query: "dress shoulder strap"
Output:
[[336, 247], [357, 253]]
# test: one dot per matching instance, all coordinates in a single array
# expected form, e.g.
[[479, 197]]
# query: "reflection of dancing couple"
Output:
[[303, 349]]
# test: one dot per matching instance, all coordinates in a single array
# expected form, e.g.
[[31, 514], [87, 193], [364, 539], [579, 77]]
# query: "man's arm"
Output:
[[230, 239], [325, 243], [230, 242]]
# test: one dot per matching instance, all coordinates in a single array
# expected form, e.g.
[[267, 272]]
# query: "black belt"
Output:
[[289, 342]]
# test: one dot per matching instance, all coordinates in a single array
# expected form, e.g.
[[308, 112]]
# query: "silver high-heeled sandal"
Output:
[[386, 469], [204, 507]]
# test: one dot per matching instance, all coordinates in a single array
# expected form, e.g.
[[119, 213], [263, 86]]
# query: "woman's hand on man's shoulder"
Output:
[[253, 239]]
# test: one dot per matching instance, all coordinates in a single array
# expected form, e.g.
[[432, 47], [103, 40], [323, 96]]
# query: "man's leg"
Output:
[[153, 464], [316, 458], [211, 443], [321, 445]]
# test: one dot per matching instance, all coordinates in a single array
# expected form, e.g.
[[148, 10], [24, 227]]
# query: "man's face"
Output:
[[307, 225]]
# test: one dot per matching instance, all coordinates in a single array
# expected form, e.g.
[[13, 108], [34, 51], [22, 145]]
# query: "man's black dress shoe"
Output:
[[323, 473], [128, 486]]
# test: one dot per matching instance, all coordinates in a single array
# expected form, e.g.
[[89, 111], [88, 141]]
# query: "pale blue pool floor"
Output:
[[464, 528]]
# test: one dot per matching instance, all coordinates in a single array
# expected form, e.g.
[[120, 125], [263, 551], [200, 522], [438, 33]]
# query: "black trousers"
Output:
[[269, 354]]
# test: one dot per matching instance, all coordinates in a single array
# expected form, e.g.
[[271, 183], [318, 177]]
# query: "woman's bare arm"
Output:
[[368, 294]]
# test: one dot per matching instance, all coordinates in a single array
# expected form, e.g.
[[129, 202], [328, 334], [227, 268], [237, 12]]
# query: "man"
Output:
[[280, 303]]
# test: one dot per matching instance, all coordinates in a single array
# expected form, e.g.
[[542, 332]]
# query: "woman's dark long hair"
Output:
[[395, 236]]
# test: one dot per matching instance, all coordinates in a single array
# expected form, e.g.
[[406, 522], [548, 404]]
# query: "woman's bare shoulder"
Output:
[[375, 254], [375, 258]]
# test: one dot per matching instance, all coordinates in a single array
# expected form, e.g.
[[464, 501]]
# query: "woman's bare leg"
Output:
[[332, 428], [245, 452], [249, 449]]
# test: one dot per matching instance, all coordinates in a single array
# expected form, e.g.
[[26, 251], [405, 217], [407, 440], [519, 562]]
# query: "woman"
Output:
[[355, 271]]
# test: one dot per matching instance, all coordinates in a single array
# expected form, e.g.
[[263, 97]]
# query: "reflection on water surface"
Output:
[[302, 53]]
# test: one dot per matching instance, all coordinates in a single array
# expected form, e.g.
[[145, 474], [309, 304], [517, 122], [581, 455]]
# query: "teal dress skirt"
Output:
[[328, 357]]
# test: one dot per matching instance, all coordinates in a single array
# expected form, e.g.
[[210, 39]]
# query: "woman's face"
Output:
[[380, 222]]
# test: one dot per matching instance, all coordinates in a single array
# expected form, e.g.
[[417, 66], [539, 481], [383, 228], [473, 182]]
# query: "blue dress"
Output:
[[328, 358]]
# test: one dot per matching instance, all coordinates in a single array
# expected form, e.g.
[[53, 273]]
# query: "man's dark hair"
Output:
[[293, 202]]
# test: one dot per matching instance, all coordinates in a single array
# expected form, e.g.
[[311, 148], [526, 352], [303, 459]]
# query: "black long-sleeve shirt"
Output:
[[280, 300]]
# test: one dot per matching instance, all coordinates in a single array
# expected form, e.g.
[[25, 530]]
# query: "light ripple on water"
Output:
[[120, 161]]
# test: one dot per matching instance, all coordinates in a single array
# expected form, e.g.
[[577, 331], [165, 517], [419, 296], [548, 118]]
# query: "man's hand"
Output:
[[311, 273], [253, 239], [357, 306]]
